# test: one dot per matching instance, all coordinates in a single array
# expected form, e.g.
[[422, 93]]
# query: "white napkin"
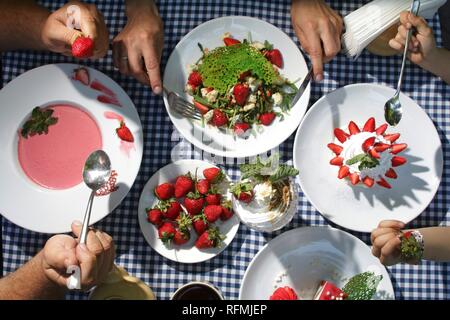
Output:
[[368, 22]]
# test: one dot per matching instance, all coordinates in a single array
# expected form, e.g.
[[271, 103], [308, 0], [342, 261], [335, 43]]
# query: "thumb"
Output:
[[76, 228], [61, 33]]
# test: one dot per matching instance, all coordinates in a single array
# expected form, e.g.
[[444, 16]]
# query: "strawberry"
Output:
[[97, 85], [335, 148], [173, 210], [200, 224], [230, 41], [243, 191], [166, 232], [240, 128], [381, 147], [213, 198], [384, 183], [397, 148], [83, 47], [381, 129], [337, 161], [284, 293], [354, 178], [368, 181], [227, 211], [398, 161], [369, 126], [213, 174], [154, 216], [82, 74], [368, 143], [181, 237], [245, 75], [201, 107], [193, 203], [219, 118], [267, 118], [391, 174], [212, 213], [195, 79], [343, 172], [341, 135], [275, 57], [392, 137], [183, 185], [211, 238], [203, 186], [353, 128], [124, 133], [240, 92], [164, 191], [109, 100]]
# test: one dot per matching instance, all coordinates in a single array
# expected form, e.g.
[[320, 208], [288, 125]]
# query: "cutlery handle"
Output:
[[87, 217]]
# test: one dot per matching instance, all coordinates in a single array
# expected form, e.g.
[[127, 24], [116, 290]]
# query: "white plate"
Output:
[[186, 253], [209, 34], [360, 208], [303, 257], [52, 211]]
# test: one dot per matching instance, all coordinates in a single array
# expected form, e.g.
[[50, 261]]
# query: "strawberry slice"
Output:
[[343, 172], [397, 148], [368, 144], [219, 118], [380, 147], [384, 183], [267, 118], [369, 126], [82, 75], [335, 148], [241, 128], [109, 100], [195, 79], [341, 135], [240, 92], [230, 41], [354, 178], [124, 133], [381, 129], [398, 161], [97, 85], [392, 137], [353, 128], [201, 107], [275, 57], [337, 161], [368, 181], [391, 174]]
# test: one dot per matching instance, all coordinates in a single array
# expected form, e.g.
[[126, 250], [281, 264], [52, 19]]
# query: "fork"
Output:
[[181, 105]]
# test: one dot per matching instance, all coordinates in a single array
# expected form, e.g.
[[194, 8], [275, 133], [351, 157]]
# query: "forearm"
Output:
[[437, 243], [29, 282], [439, 64], [21, 25]]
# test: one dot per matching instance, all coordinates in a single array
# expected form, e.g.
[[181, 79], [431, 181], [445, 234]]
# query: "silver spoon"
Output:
[[96, 173], [393, 108]]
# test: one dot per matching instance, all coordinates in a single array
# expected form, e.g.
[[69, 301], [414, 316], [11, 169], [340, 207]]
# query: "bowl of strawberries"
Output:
[[185, 211]]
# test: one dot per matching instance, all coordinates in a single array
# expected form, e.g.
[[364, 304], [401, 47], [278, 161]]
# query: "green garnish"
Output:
[[39, 122], [362, 286], [365, 161], [409, 248], [262, 171]]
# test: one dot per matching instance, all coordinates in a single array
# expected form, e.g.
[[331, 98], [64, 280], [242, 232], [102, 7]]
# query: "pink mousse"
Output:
[[55, 160]]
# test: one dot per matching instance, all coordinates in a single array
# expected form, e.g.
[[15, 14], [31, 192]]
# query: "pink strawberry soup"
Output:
[[55, 160]]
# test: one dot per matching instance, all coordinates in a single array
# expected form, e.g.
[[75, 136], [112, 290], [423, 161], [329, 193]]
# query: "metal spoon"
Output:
[[96, 173], [393, 108]]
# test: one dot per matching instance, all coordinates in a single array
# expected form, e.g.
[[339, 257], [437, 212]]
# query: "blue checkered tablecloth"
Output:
[[427, 281]]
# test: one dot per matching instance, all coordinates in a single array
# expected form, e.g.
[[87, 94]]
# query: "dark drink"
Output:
[[197, 291]]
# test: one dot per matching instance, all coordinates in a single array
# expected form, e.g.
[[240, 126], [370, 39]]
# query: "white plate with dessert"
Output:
[[313, 263], [232, 136], [53, 117], [356, 170], [185, 211]]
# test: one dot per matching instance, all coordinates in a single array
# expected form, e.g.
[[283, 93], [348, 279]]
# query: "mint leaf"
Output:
[[39, 122], [362, 286], [355, 159], [283, 172]]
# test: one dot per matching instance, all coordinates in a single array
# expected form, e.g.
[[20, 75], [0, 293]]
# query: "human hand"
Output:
[[422, 46], [137, 49], [58, 37], [95, 258], [319, 29], [386, 242]]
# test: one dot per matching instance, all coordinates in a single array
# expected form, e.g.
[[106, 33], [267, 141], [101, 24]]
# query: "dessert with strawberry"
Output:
[[265, 197], [367, 155], [238, 85]]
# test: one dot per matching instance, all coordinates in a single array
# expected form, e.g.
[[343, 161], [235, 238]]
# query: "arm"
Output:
[[439, 64], [141, 40], [21, 23], [437, 242]]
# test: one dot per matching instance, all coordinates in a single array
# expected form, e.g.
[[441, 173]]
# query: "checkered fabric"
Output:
[[427, 281]]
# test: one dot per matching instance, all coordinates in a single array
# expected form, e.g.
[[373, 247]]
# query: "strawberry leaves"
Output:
[[365, 161], [39, 122]]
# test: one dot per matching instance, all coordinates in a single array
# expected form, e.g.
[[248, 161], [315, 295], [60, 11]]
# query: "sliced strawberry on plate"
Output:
[[275, 57], [240, 92], [391, 174], [335, 148], [240, 128], [97, 85], [354, 178], [201, 107], [381, 129], [341, 135], [267, 118], [381, 147], [343, 172], [82, 74], [124, 133], [397, 148], [230, 41], [164, 191], [337, 161], [368, 181], [369, 126], [398, 161], [109, 100], [353, 128], [384, 183], [392, 137]]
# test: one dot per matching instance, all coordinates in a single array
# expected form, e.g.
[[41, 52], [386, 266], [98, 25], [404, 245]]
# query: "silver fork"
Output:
[[182, 106]]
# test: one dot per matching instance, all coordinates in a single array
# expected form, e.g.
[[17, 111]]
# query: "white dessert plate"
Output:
[[303, 257], [358, 207], [209, 34], [32, 206], [186, 253]]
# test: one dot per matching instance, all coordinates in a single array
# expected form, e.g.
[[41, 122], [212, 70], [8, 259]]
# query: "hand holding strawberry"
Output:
[[386, 242]]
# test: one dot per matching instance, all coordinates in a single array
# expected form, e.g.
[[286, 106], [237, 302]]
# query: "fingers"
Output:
[[314, 49], [420, 24], [381, 231], [331, 43], [391, 224], [109, 251], [390, 249], [136, 65], [151, 60], [93, 25], [120, 56]]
